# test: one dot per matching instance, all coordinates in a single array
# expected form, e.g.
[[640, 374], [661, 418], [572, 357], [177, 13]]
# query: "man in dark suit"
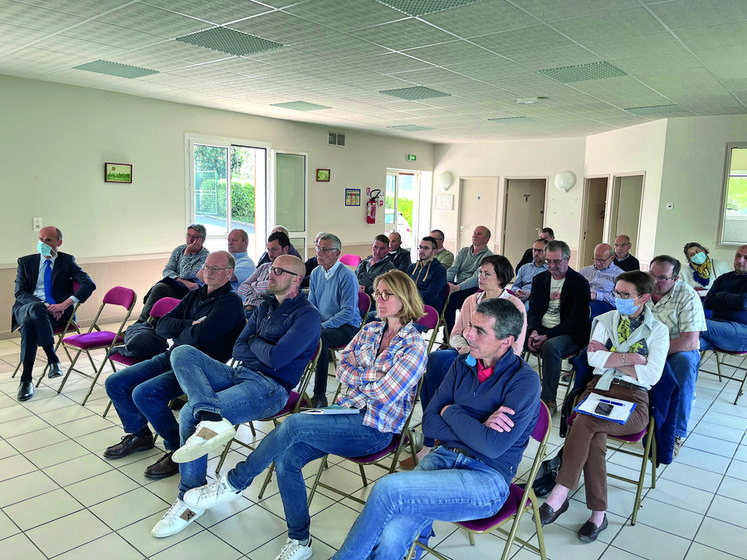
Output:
[[558, 319], [44, 300]]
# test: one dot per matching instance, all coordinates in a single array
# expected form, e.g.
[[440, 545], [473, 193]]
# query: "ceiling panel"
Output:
[[403, 34], [215, 11]]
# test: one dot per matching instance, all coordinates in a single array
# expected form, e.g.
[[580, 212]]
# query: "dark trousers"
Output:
[[456, 299], [37, 327], [330, 337], [161, 290]]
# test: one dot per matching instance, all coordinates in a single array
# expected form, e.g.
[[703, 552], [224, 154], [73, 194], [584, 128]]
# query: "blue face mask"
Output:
[[698, 258], [626, 306], [44, 249]]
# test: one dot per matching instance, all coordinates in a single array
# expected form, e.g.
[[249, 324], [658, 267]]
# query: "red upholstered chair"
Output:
[[96, 339], [519, 501], [431, 322]]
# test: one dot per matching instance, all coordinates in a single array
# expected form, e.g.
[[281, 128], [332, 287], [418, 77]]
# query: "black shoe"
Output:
[[162, 468], [319, 402], [25, 390], [548, 515], [589, 532], [55, 370], [129, 444]]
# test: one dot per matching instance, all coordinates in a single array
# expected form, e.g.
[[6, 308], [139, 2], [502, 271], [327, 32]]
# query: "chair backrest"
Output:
[[308, 373], [118, 295], [163, 306], [542, 428], [364, 303], [430, 319], [350, 260]]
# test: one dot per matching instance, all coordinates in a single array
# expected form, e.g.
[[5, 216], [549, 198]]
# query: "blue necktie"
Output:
[[48, 281]]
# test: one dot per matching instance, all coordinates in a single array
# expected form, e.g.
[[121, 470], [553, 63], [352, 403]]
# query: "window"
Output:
[[401, 204], [734, 216]]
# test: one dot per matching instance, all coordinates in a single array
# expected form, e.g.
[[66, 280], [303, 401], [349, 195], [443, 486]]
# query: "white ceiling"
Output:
[[342, 53]]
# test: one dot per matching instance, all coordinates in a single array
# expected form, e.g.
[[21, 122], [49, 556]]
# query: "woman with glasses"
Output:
[[379, 371], [702, 270], [628, 349]]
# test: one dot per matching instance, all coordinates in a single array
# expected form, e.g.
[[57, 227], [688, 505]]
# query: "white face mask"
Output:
[[44, 249]]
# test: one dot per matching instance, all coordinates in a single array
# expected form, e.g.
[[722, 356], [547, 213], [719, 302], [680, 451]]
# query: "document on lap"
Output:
[[620, 412]]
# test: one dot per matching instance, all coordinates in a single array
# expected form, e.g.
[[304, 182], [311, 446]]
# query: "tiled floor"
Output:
[[60, 499]]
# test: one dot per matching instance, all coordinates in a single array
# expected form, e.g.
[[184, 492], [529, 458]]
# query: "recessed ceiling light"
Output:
[[527, 100]]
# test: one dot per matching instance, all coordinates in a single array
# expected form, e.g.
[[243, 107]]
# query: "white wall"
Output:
[[56, 139]]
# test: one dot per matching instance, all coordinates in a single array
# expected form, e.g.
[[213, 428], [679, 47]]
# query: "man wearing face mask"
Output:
[[44, 300]]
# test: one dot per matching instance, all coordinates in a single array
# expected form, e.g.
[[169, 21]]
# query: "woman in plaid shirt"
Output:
[[379, 370]]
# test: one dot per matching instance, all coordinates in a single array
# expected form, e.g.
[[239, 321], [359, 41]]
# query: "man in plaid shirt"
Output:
[[254, 288]]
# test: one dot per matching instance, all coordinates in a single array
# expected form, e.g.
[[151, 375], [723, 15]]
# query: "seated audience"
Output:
[[628, 349], [208, 319], [44, 300], [311, 263], [180, 272], [399, 256], [254, 288], [333, 290], [267, 258], [379, 371], [678, 306], [462, 276], [623, 259], [442, 254], [548, 235], [558, 318], [522, 285], [494, 273], [429, 274], [702, 270], [726, 329], [601, 277], [376, 264], [271, 354], [483, 414], [238, 242]]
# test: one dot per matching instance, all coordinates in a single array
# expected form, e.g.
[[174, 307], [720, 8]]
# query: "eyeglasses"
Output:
[[621, 244], [425, 247], [193, 237], [602, 260], [325, 250], [277, 271], [207, 268], [383, 296], [663, 278], [624, 295], [538, 250]]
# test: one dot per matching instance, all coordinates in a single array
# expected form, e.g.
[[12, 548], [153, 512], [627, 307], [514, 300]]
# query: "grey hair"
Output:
[[508, 319], [336, 243], [199, 228], [557, 245]]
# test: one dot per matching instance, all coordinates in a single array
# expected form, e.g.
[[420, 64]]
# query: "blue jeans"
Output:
[[685, 367], [597, 307], [444, 486], [300, 439], [141, 393], [239, 395], [724, 335], [436, 369], [552, 353]]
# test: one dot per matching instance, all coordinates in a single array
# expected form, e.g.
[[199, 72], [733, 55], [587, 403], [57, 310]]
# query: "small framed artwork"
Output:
[[352, 197], [118, 172], [322, 175], [444, 202]]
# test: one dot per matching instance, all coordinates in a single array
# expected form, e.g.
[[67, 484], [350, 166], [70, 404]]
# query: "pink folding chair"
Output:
[[350, 260], [430, 321], [96, 339]]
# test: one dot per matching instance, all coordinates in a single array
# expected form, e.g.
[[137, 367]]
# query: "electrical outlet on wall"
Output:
[[36, 224]]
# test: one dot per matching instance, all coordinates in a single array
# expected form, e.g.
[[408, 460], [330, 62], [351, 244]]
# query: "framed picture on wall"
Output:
[[352, 197], [118, 172], [322, 175]]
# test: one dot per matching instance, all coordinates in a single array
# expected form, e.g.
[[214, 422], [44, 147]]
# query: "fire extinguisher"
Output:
[[371, 206]]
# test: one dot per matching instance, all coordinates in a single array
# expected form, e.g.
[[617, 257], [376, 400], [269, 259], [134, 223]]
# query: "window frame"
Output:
[[725, 193]]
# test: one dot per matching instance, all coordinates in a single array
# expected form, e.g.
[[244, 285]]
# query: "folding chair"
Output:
[[96, 339], [350, 260], [60, 332], [519, 501], [364, 306], [720, 356], [441, 317], [296, 399], [161, 307], [393, 450], [430, 321]]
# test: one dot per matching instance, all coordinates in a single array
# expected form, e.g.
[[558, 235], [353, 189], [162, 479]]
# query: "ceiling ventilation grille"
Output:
[[300, 106], [414, 93], [115, 69], [583, 72], [336, 139], [417, 8], [229, 41]]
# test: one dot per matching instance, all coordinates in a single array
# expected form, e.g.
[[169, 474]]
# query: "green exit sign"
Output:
[[411, 157]]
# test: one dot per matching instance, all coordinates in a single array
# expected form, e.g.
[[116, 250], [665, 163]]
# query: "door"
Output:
[[592, 230], [626, 208], [523, 217], [289, 206], [401, 205], [477, 207]]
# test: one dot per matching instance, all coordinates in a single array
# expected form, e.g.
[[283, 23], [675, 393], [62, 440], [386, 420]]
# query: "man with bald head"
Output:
[[271, 354], [623, 259], [726, 328], [601, 277], [45, 298], [399, 256]]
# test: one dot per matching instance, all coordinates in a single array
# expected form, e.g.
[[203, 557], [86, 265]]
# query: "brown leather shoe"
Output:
[[162, 468], [549, 515], [129, 444], [552, 406], [589, 532], [407, 464]]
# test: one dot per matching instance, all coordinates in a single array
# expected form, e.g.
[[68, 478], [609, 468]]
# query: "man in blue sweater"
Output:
[[208, 318], [483, 414], [271, 353], [727, 300], [333, 290]]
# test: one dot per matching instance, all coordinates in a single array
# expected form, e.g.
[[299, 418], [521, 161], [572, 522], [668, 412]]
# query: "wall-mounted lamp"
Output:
[[444, 181], [565, 180]]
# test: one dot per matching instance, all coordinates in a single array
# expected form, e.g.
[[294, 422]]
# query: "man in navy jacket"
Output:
[[209, 318], [37, 312], [271, 353]]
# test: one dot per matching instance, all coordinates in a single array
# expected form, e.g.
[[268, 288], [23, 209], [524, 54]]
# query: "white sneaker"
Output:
[[213, 494], [294, 550], [207, 437], [176, 520]]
